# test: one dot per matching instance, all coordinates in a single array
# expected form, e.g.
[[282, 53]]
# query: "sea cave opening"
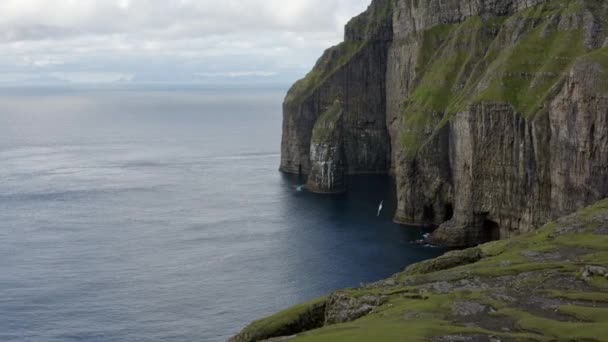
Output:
[[491, 231]]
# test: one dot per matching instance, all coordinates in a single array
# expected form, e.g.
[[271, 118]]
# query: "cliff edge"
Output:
[[547, 285], [491, 114]]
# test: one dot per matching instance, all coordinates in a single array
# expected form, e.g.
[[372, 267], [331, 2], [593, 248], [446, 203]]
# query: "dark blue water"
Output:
[[153, 215]]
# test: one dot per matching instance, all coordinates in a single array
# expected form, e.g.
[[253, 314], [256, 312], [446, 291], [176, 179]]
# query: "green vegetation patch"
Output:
[[368, 25], [332, 60], [416, 319], [525, 75], [447, 261], [599, 297], [495, 248], [600, 258], [327, 123], [586, 240], [600, 283], [593, 211], [585, 313], [476, 61], [447, 57], [373, 20], [412, 320], [299, 318], [557, 330]]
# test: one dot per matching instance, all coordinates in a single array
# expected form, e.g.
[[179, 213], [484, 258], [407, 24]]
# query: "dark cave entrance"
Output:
[[491, 231], [428, 214], [449, 212]]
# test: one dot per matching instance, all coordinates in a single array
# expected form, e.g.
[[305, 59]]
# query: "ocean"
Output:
[[158, 214]]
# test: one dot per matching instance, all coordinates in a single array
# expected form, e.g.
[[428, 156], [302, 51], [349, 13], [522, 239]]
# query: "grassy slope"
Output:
[[286, 322], [333, 60], [338, 57], [474, 61], [327, 123], [530, 288]]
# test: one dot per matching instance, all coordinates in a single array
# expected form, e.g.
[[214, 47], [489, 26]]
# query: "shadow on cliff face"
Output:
[[490, 231], [364, 195]]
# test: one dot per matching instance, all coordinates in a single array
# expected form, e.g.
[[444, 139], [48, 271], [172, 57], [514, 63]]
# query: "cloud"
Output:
[[185, 38], [236, 74], [174, 17], [41, 62], [91, 77]]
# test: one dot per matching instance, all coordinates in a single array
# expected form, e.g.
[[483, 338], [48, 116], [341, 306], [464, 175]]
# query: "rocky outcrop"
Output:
[[343, 307], [327, 157], [491, 114], [354, 73], [447, 261], [300, 318]]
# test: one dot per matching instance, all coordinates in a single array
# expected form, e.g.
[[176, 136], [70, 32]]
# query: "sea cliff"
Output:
[[492, 115]]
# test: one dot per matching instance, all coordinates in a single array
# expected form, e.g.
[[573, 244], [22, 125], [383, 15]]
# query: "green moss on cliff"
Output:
[[449, 53], [600, 58], [333, 60], [449, 57], [328, 123], [521, 60], [526, 72], [366, 28], [525, 76], [528, 288], [373, 20]]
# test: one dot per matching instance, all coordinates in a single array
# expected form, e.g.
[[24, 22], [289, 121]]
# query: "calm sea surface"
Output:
[[159, 215]]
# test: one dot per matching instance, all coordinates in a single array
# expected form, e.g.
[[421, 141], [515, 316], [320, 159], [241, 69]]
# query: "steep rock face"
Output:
[[513, 173], [500, 163], [353, 73], [328, 161], [579, 136], [500, 75], [495, 111]]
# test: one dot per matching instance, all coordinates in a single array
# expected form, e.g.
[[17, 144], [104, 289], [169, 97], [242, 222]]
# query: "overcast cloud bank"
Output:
[[101, 41]]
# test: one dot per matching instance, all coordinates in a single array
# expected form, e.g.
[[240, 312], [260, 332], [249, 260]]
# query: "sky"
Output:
[[170, 41]]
